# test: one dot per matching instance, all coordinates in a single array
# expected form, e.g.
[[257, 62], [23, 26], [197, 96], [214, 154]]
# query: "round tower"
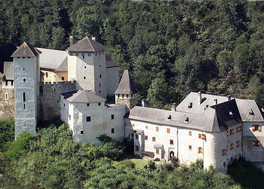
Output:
[[126, 92], [26, 90]]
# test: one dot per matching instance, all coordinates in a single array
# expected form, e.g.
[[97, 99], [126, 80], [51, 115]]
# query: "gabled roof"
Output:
[[249, 110], [53, 59], [110, 63], [86, 45], [9, 70], [126, 85], [214, 119], [82, 96], [26, 50]]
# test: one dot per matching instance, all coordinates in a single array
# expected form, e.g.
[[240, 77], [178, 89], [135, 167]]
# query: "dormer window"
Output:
[[187, 119], [251, 112], [190, 105]]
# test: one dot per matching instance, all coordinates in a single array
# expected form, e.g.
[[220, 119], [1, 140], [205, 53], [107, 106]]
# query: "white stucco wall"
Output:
[[112, 80], [101, 120], [250, 152], [26, 77], [100, 74]]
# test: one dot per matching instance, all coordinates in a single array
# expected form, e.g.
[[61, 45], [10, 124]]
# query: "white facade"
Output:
[[89, 71], [112, 80], [26, 80], [90, 120]]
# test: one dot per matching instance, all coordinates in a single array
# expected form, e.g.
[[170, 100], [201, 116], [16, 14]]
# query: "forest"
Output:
[[171, 48], [50, 159]]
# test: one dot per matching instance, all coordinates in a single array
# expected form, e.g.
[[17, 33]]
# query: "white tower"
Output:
[[87, 65], [26, 80]]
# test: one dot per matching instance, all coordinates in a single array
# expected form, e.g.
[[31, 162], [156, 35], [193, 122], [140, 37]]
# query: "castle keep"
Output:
[[81, 87]]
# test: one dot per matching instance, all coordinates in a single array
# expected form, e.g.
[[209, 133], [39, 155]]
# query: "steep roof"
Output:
[[245, 106], [126, 85], [53, 59], [214, 119], [26, 50], [249, 110], [86, 45], [82, 96], [9, 70], [110, 63]]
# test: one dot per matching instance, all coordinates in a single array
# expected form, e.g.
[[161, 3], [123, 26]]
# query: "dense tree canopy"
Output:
[[209, 46]]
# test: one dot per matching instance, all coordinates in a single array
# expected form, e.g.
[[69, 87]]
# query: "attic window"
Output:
[[190, 105], [187, 119], [251, 112], [169, 117], [231, 113]]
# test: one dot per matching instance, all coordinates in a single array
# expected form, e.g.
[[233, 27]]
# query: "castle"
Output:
[[81, 86]]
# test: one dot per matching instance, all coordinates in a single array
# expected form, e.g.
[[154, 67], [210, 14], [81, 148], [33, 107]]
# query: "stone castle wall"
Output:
[[49, 98], [6, 105]]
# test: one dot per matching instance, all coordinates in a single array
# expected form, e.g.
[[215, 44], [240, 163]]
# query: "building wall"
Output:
[[251, 152], [129, 100], [112, 80], [100, 74], [49, 98], [101, 121], [7, 109], [50, 76], [26, 81]]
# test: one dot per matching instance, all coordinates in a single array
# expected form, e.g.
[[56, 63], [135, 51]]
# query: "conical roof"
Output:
[[86, 45], [26, 50], [126, 85]]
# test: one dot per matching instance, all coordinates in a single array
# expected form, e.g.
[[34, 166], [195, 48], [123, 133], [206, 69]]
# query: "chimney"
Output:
[[143, 103], [93, 38], [199, 98], [173, 107], [71, 40], [228, 97], [215, 101]]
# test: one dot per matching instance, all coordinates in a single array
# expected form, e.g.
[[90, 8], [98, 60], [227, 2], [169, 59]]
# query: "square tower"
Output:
[[26, 80], [87, 65]]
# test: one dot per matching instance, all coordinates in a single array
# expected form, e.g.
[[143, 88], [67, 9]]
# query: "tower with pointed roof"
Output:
[[26, 85], [126, 91], [87, 65]]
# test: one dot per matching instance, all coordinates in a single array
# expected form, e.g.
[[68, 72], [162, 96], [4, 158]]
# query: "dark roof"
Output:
[[26, 50], [110, 63], [63, 67], [9, 70], [86, 45], [82, 96], [126, 85], [6, 50]]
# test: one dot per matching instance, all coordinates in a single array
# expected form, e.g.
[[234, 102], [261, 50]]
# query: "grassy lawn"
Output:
[[139, 163]]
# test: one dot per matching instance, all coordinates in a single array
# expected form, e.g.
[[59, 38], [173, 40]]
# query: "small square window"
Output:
[[69, 117], [99, 84], [88, 104], [133, 125], [146, 137], [99, 104], [24, 80], [157, 151], [171, 142], [84, 77], [146, 127], [81, 132], [136, 136], [157, 129], [88, 119], [99, 92], [190, 147], [112, 130], [154, 139], [100, 76], [84, 67], [190, 133], [24, 69], [62, 78], [6, 96], [64, 105], [112, 116], [168, 130]]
